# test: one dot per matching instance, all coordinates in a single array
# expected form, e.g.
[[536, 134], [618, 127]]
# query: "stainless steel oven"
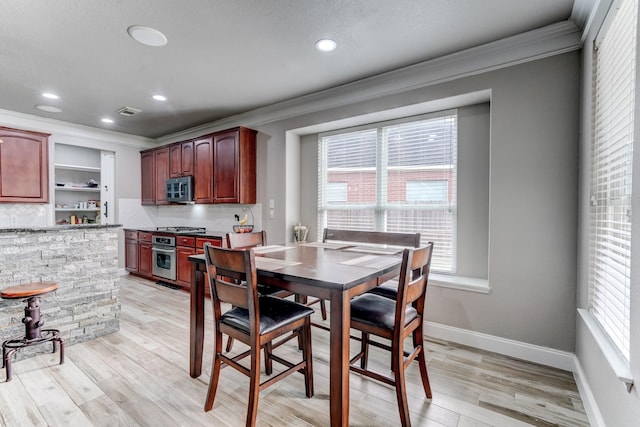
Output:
[[164, 257]]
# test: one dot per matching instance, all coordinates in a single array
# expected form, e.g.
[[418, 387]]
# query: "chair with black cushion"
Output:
[[256, 320], [253, 240], [396, 320], [386, 238]]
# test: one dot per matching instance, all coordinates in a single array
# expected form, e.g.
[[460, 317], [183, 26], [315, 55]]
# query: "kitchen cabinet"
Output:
[[24, 166], [200, 241], [154, 170], [181, 159], [145, 254], [234, 166], [185, 246], [203, 169], [147, 170], [131, 251]]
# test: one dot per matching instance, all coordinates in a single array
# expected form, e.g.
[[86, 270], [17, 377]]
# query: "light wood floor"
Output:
[[139, 377]]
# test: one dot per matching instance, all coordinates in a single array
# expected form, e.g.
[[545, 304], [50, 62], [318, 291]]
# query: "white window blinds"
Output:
[[399, 177], [611, 168]]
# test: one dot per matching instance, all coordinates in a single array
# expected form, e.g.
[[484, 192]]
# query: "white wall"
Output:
[[611, 403]]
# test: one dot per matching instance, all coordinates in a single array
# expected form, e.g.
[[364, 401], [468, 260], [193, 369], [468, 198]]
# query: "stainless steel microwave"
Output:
[[180, 190]]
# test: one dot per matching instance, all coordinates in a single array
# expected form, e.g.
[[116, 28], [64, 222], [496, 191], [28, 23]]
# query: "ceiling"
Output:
[[227, 57]]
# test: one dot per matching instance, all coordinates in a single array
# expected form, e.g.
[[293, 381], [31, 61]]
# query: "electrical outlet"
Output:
[[13, 219], [271, 213]]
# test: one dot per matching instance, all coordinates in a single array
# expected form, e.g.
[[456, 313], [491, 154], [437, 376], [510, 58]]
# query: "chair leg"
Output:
[[397, 357], [422, 362], [254, 387], [364, 349], [268, 363], [229, 344], [323, 309], [307, 354], [215, 373]]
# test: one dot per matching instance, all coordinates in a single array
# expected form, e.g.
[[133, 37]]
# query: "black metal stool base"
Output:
[[12, 345]]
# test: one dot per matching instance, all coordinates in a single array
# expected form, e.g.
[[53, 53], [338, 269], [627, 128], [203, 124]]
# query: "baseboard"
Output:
[[122, 272], [529, 352], [588, 399]]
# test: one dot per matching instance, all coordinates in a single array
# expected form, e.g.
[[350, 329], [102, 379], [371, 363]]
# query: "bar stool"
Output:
[[32, 322]]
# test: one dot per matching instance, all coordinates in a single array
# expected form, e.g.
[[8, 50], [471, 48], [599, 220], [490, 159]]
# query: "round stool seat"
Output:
[[27, 290]]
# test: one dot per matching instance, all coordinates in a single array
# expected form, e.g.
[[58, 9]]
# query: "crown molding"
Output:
[[60, 129], [543, 42]]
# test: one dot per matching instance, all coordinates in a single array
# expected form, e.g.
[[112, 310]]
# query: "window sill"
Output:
[[461, 283], [619, 366]]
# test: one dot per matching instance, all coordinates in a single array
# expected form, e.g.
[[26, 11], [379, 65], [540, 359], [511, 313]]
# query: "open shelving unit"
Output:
[[74, 168]]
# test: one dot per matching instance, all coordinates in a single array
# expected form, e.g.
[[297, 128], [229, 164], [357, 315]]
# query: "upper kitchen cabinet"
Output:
[[147, 172], [24, 166], [181, 159], [234, 166], [202, 169], [154, 170]]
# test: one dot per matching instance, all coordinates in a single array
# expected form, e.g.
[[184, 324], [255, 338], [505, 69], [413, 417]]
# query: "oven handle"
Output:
[[164, 251]]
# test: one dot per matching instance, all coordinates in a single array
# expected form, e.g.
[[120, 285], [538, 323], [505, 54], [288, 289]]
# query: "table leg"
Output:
[[340, 320], [196, 331]]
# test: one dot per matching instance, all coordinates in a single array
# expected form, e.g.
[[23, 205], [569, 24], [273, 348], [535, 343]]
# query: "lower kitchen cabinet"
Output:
[[185, 246], [145, 254], [131, 251]]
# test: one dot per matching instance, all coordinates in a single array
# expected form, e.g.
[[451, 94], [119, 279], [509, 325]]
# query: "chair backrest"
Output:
[[413, 279], [407, 240], [246, 240], [232, 278]]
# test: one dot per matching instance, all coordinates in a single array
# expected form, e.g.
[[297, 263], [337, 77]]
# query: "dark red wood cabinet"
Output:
[[161, 175], [181, 159], [234, 166], [147, 171], [24, 166], [131, 251], [145, 254], [203, 169]]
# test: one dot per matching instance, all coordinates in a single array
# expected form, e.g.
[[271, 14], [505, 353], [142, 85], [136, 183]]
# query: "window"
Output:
[[397, 176], [611, 167]]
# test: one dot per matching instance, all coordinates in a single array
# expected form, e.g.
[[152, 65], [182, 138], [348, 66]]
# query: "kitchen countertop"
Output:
[[58, 228], [208, 233]]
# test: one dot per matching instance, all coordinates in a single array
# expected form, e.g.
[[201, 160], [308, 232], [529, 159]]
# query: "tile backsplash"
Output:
[[131, 214], [24, 215]]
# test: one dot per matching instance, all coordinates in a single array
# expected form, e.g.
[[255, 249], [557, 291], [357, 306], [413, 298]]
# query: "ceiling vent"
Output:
[[128, 111]]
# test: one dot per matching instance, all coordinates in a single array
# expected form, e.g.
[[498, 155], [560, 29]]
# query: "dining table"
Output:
[[331, 271]]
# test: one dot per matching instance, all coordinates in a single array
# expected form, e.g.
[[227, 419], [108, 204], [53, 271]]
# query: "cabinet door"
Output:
[[145, 259], [131, 255], [183, 273], [187, 158], [226, 159], [202, 173], [234, 166], [175, 160], [162, 174], [24, 166], [148, 167]]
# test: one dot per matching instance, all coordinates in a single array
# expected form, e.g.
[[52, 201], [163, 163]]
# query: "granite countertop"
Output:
[[58, 228], [207, 233]]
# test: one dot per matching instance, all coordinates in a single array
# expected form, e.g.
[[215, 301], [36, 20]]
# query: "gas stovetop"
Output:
[[185, 230]]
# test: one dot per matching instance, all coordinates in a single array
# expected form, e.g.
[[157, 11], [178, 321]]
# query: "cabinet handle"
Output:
[[106, 209]]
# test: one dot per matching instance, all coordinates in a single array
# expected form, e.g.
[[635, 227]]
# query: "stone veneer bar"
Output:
[[83, 260]]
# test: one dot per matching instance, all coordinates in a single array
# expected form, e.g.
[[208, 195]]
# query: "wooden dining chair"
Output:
[[396, 320], [253, 240], [256, 320], [401, 240]]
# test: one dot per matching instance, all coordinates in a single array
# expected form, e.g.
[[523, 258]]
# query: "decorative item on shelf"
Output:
[[300, 233], [92, 183], [243, 226]]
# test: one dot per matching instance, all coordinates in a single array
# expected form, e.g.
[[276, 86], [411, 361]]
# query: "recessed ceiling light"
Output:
[[50, 95], [106, 120], [147, 35], [159, 97], [326, 45], [49, 108]]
